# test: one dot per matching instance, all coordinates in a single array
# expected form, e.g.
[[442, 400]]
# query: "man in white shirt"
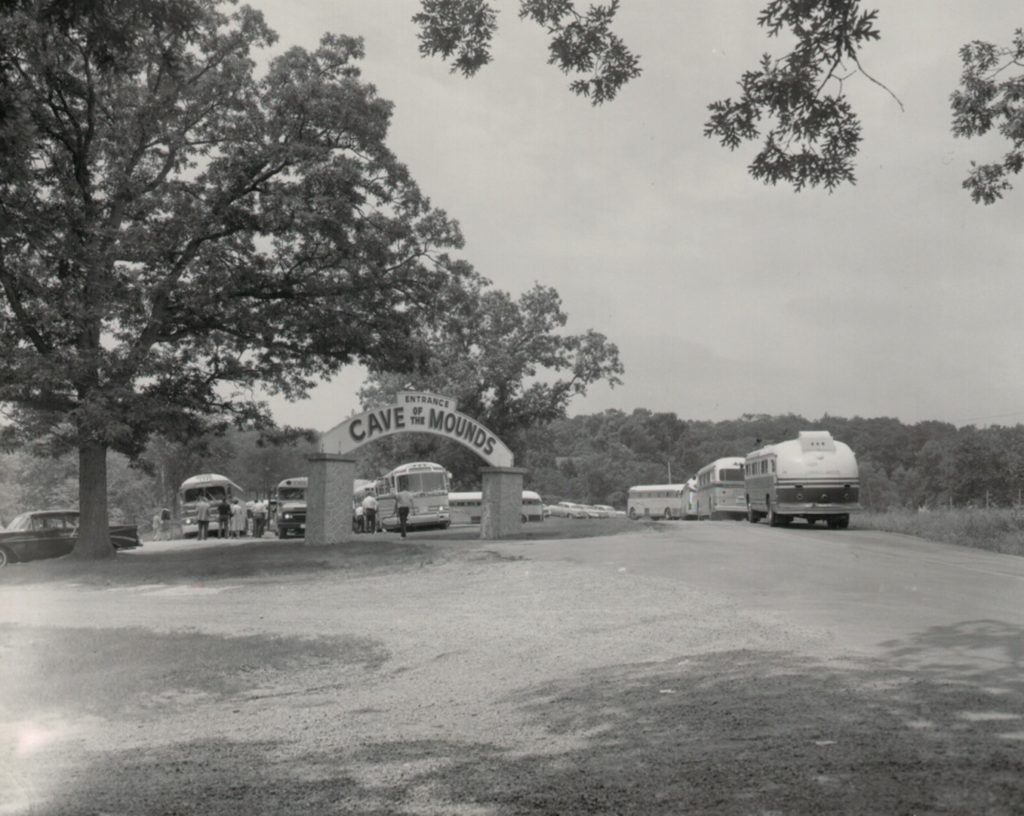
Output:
[[370, 513]]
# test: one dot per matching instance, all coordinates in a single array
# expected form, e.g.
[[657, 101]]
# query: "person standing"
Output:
[[404, 502], [370, 513], [259, 519], [224, 517], [237, 519], [203, 518]]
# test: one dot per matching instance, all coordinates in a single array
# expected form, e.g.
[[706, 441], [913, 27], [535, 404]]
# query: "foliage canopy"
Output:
[[795, 105]]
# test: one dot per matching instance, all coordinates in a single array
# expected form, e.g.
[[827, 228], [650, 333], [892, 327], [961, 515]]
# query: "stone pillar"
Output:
[[329, 499], [502, 505]]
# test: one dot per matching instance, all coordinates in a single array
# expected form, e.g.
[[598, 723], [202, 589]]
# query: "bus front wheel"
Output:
[[632, 513]]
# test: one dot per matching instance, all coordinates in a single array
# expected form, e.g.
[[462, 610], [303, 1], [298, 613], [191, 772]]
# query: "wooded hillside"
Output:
[[592, 458]]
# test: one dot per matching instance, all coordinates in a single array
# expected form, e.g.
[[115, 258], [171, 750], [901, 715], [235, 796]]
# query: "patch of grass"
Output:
[[999, 530]]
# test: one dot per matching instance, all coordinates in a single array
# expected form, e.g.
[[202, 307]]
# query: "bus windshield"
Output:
[[423, 482], [211, 493], [291, 493]]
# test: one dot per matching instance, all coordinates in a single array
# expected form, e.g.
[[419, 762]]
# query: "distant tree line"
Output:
[[592, 458], [927, 464]]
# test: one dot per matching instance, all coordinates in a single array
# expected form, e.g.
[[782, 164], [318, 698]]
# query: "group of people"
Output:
[[365, 514], [232, 518]]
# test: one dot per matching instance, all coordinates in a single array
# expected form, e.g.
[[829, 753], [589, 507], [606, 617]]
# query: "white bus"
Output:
[[466, 508], [663, 501], [811, 477], [289, 507], [720, 489], [210, 486], [428, 484]]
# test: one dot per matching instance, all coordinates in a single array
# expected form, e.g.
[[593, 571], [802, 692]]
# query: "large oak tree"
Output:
[[177, 227]]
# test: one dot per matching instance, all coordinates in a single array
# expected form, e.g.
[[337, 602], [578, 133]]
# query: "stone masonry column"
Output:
[[329, 499], [502, 505]]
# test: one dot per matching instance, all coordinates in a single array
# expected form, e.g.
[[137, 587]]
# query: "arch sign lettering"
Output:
[[417, 412]]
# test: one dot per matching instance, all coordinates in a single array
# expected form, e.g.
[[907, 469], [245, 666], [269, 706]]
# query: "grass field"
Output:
[[997, 530]]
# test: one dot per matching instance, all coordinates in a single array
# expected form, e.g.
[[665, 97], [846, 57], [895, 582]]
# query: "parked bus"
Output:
[[289, 507], [720, 489], [663, 501], [811, 477], [210, 486], [428, 484], [466, 508]]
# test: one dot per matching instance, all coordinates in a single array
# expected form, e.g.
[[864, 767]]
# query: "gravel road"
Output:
[[440, 677]]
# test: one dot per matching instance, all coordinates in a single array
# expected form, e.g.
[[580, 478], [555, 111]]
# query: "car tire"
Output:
[[6, 557]]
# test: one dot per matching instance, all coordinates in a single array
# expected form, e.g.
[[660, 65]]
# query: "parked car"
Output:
[[608, 511], [573, 510], [51, 534]]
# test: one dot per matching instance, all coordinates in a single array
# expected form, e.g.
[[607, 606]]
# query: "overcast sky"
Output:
[[895, 297]]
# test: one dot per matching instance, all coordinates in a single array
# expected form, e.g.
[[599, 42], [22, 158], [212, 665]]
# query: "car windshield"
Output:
[[22, 522]]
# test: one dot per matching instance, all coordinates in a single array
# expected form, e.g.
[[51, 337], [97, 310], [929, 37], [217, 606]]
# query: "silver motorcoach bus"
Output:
[[811, 477]]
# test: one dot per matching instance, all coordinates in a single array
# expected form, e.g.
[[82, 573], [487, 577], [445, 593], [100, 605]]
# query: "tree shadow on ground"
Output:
[[272, 558], [53, 668], [250, 559], [739, 732]]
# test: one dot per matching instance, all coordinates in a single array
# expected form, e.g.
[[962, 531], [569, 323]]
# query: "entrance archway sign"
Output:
[[332, 470], [420, 413]]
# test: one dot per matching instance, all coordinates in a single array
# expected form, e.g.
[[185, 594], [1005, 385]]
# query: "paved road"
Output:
[[865, 589]]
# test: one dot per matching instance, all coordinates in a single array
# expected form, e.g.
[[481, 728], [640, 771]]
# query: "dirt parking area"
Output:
[[444, 676]]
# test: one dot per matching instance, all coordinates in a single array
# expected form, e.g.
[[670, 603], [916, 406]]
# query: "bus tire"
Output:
[[668, 514], [632, 513], [751, 515], [282, 533], [773, 517], [843, 522]]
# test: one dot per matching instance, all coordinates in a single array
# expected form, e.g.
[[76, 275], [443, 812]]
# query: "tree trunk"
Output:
[[93, 524]]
